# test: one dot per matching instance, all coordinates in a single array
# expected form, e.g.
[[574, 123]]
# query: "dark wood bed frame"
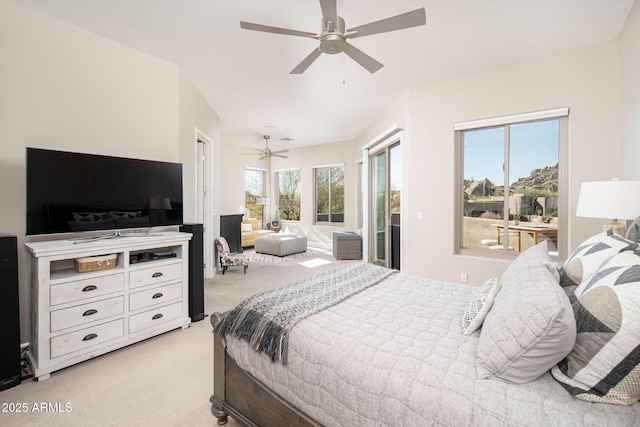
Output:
[[238, 394]]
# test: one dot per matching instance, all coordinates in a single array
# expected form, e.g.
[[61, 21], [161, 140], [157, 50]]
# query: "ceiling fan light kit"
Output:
[[333, 36]]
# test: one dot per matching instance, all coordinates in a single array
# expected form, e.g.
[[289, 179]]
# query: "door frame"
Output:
[[390, 136], [204, 197]]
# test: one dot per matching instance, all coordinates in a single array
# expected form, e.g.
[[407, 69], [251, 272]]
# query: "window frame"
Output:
[[560, 114], [277, 193], [264, 188], [331, 214]]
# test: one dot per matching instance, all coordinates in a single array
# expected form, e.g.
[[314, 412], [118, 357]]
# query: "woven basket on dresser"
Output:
[[95, 263]]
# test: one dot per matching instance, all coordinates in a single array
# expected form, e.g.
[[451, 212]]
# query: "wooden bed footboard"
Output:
[[238, 394]]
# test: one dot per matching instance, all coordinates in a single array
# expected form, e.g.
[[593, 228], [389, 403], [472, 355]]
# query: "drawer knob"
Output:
[[90, 312], [158, 274], [90, 337], [157, 316], [158, 295], [89, 288]]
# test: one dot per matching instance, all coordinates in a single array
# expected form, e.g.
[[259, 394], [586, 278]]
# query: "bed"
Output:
[[394, 352]]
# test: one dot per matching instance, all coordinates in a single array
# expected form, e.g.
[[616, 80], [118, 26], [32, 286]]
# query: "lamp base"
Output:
[[619, 228]]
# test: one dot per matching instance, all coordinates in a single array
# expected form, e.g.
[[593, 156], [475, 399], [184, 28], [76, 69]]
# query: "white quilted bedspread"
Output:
[[393, 355]]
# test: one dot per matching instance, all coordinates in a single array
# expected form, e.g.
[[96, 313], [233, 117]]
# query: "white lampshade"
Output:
[[610, 199]]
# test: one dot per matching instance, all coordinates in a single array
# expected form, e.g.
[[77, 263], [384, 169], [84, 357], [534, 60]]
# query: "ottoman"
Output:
[[281, 244], [347, 245]]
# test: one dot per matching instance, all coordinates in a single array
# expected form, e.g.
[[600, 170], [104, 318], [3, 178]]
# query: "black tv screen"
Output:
[[73, 192]]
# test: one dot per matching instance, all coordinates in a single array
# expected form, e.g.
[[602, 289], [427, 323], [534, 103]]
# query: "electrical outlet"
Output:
[[464, 277]]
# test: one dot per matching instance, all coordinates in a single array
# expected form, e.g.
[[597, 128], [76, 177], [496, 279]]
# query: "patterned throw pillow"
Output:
[[90, 216], [589, 256], [604, 365], [246, 227], [479, 305]]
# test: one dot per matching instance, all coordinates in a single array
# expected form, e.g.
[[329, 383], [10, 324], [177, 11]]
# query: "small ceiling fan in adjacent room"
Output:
[[266, 152], [333, 36]]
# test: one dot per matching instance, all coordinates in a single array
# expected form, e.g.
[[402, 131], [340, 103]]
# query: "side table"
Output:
[[347, 245]]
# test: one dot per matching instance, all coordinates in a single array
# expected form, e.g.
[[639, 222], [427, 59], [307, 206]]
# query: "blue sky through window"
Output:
[[533, 146]]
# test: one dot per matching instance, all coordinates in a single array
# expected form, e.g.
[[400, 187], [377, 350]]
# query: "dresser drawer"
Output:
[[85, 313], [85, 338], [86, 288], [157, 295], [154, 317], [158, 274]]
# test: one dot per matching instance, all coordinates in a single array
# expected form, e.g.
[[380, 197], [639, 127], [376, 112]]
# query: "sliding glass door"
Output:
[[386, 179], [379, 211]]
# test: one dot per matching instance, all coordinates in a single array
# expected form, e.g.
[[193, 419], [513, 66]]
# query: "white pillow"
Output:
[[531, 326], [245, 227], [479, 305]]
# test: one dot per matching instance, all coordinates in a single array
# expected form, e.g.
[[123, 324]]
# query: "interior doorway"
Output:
[[204, 201]]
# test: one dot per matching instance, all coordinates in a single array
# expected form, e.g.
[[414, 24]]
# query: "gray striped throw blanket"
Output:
[[265, 319]]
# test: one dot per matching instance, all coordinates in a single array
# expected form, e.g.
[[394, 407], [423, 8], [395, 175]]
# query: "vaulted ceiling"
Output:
[[245, 75]]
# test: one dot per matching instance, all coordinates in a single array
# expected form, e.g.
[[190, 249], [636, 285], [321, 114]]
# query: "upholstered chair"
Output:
[[227, 259]]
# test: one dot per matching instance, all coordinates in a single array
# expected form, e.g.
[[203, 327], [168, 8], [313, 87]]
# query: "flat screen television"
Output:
[[75, 192]]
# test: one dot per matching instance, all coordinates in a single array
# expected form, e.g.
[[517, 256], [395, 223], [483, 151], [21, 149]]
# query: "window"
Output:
[[288, 194], [509, 176], [254, 187], [329, 188]]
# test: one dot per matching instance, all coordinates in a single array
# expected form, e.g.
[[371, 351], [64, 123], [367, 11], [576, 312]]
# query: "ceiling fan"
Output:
[[266, 152], [333, 37]]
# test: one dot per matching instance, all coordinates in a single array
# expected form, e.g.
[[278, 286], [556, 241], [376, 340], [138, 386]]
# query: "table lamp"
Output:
[[158, 207], [610, 199]]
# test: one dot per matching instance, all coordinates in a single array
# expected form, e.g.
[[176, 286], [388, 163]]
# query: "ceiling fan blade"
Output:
[[260, 151], [329, 11], [398, 22], [279, 155], [276, 30], [279, 151], [362, 58], [301, 67]]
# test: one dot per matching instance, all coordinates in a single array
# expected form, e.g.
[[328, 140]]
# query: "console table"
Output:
[[76, 316]]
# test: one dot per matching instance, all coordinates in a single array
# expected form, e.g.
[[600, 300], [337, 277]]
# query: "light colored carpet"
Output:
[[163, 381], [273, 259]]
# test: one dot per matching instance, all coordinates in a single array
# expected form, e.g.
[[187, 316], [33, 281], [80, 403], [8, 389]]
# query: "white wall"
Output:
[[583, 79], [232, 171], [195, 112], [67, 89], [630, 92], [305, 158]]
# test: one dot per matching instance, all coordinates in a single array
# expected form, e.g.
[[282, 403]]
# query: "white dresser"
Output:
[[77, 316]]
